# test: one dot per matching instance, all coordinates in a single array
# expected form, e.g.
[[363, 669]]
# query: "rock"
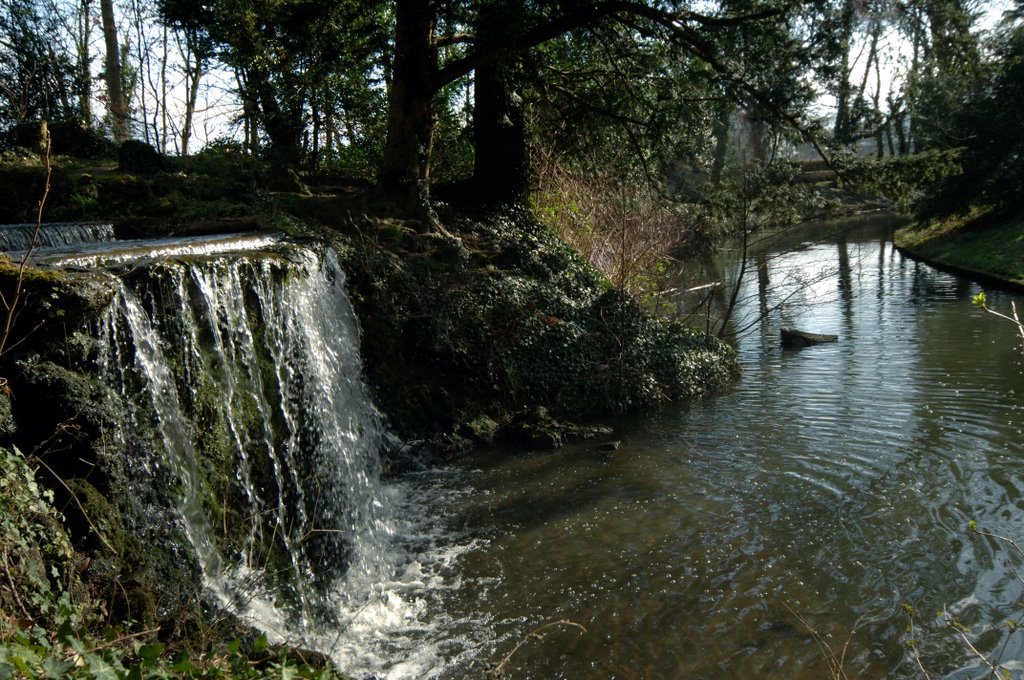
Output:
[[480, 430], [586, 432], [609, 446], [70, 411], [534, 428], [795, 338]]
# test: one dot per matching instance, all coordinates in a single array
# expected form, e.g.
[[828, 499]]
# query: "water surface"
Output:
[[749, 535]]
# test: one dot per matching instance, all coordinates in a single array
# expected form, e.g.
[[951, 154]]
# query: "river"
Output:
[[772, 532]]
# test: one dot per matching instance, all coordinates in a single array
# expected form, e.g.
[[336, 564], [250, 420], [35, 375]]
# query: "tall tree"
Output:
[[36, 75], [117, 100], [405, 167], [987, 125], [498, 54], [282, 51]]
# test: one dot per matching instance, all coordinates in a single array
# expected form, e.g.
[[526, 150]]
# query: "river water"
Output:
[[772, 532]]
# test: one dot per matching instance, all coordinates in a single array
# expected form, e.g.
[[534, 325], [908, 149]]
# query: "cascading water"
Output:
[[248, 367], [19, 237]]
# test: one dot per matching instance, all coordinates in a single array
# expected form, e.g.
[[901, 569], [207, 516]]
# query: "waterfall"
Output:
[[246, 371], [18, 237]]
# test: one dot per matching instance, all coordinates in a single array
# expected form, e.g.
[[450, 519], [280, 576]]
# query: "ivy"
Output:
[[517, 320]]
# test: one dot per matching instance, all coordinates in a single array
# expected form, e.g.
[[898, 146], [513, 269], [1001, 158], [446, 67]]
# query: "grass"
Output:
[[976, 244]]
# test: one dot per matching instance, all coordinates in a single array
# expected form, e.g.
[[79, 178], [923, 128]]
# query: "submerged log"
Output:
[[795, 338]]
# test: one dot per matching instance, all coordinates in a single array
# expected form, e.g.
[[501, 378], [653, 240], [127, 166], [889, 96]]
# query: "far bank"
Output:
[[982, 246]]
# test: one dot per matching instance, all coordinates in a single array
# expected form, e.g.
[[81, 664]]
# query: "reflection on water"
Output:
[[737, 537]]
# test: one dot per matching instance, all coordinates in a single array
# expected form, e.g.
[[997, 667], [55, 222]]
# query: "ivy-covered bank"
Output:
[[491, 322]]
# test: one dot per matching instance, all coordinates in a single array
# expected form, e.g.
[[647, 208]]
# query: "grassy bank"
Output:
[[978, 245]]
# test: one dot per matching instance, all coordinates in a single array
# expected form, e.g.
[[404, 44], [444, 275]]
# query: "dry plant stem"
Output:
[[836, 664], [111, 643], [913, 649], [533, 634], [849, 639], [1009, 541], [1012, 543], [1015, 319], [974, 650], [13, 306], [14, 588]]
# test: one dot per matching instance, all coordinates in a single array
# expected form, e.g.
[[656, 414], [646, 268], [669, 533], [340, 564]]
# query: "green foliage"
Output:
[[507, 318], [35, 551], [73, 652], [34, 74], [904, 180], [978, 244], [987, 125]]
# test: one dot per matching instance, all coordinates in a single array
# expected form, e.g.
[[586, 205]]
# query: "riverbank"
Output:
[[477, 328], [980, 246], [484, 325]]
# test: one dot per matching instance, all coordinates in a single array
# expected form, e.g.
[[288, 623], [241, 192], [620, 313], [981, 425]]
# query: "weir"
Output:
[[240, 373], [18, 237]]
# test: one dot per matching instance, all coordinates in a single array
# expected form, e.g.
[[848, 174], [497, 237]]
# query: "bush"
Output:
[[507, 318]]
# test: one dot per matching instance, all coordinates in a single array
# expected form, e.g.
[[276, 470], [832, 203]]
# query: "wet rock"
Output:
[[481, 430], [534, 428], [588, 432], [92, 520], [65, 415], [422, 454]]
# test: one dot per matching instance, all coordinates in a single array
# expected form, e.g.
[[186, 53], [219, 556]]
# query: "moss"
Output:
[[93, 521], [53, 304], [980, 244], [480, 430], [67, 410]]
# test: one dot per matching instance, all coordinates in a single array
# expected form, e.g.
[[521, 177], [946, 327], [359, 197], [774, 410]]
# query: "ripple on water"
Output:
[[830, 487]]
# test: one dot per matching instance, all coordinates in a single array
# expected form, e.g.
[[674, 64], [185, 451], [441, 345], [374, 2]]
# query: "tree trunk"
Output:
[[721, 127], [283, 128], [83, 63], [163, 91], [405, 168], [118, 103], [194, 58], [501, 168], [901, 132], [843, 124]]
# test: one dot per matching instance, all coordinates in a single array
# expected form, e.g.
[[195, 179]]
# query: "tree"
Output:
[[405, 167], [946, 68], [285, 54], [37, 78], [987, 128], [497, 55], [117, 100]]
